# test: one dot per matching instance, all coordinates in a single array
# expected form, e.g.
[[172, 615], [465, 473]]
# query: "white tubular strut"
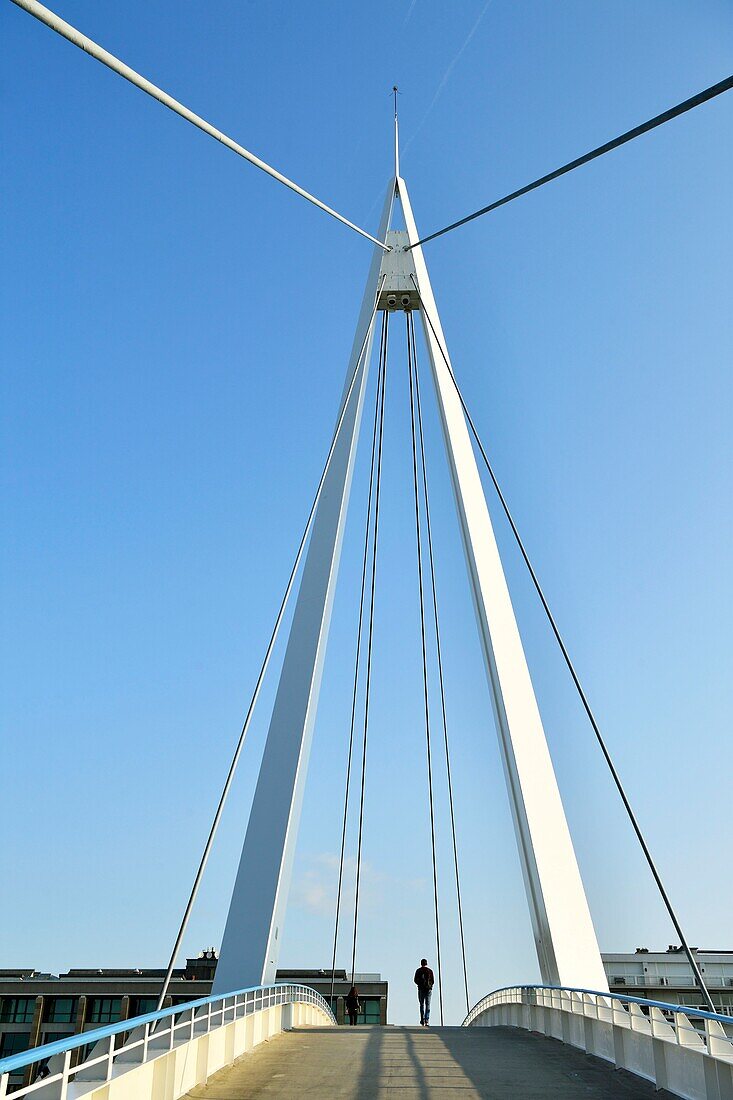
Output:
[[45, 15]]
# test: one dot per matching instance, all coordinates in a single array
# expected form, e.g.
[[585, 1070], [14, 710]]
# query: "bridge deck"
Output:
[[410, 1063]]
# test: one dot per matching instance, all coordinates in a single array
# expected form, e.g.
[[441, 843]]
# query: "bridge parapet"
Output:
[[164, 1054], [689, 1053]]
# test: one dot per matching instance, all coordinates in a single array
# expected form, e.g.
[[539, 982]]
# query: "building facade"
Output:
[[667, 976], [372, 992], [37, 1008]]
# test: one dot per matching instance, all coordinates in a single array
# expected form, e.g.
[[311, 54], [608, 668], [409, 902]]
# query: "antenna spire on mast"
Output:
[[395, 93]]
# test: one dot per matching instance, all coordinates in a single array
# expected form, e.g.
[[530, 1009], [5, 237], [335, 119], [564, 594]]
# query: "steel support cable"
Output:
[[265, 662], [425, 670], [352, 725], [71, 34], [439, 654], [644, 128], [370, 636], [578, 686]]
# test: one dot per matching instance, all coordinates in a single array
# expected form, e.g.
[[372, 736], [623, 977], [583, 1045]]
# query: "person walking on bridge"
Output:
[[353, 1005], [424, 980]]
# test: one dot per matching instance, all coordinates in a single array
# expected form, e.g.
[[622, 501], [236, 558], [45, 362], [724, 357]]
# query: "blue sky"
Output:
[[175, 329]]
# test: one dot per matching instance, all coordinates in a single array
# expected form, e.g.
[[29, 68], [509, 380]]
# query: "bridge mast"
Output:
[[565, 939], [250, 947]]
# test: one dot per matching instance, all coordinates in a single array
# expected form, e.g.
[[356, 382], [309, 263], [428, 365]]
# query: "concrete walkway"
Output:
[[411, 1063]]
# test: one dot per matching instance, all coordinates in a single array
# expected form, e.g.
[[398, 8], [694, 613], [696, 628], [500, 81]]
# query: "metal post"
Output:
[[65, 1076]]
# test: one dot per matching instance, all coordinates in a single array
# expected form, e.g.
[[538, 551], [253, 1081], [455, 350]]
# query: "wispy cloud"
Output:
[[315, 887], [312, 894], [447, 74]]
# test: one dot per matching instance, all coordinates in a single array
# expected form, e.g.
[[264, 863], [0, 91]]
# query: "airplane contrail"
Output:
[[409, 12], [447, 74]]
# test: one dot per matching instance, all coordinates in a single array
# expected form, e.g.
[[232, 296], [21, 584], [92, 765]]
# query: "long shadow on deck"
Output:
[[496, 1063], [413, 1063]]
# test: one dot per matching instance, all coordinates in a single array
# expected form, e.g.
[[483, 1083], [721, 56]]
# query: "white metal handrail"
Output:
[[559, 997], [687, 1050], [146, 1037]]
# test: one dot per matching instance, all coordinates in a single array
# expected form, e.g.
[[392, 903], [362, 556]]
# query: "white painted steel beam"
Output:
[[565, 939], [250, 946]]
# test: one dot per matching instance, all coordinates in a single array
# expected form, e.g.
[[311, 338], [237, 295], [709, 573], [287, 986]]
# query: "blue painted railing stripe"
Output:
[[688, 1010], [40, 1054]]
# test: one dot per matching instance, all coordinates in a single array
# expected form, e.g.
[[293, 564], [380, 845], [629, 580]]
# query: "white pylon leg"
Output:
[[250, 947], [566, 942]]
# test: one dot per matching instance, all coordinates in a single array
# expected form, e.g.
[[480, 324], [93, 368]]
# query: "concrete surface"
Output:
[[413, 1063]]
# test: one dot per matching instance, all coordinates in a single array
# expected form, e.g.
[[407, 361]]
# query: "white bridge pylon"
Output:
[[565, 940]]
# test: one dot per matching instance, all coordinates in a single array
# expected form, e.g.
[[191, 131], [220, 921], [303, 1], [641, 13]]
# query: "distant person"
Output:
[[424, 980], [353, 1005]]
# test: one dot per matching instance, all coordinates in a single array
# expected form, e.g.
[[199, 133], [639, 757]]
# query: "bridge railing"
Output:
[[222, 1027], [685, 1050]]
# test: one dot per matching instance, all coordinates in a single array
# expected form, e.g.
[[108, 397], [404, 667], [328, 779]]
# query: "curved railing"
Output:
[[247, 1016], [685, 1050]]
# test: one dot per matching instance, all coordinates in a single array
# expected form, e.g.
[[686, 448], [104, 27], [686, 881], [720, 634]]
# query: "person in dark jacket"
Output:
[[353, 1005], [424, 980]]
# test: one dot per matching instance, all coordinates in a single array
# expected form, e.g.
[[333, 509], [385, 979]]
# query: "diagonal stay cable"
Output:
[[439, 654], [370, 637], [614, 143], [50, 19], [365, 560], [426, 701], [265, 662], [578, 686]]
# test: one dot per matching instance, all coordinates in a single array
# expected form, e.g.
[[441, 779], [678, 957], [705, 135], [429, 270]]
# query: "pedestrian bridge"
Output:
[[282, 1039]]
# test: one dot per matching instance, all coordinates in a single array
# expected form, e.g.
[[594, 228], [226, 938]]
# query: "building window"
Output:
[[370, 1011], [14, 1042], [17, 1010], [104, 1010], [54, 1037], [690, 1000], [140, 1006], [61, 1010]]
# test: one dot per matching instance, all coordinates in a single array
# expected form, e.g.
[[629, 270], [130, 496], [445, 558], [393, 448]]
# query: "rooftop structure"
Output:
[[667, 976]]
